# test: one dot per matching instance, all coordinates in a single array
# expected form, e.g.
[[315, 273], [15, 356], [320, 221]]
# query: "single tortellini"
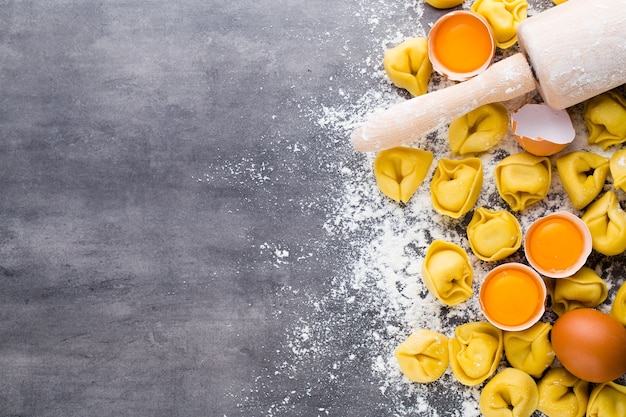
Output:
[[423, 356], [530, 350], [444, 4], [618, 169], [479, 130], [607, 400], [400, 171], [493, 234], [510, 392], [523, 179], [618, 308], [583, 175], [605, 116], [408, 66], [447, 272], [607, 223], [475, 352], [456, 186], [558, 1], [562, 394], [583, 289], [503, 16]]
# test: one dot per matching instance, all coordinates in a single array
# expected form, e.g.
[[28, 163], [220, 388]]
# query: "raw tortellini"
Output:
[[456, 186], [475, 352], [493, 234], [479, 130], [408, 66], [503, 16], [400, 171], [583, 289], [523, 179], [423, 356], [583, 175], [618, 308], [607, 223], [607, 400], [530, 350], [605, 116], [510, 393], [562, 394], [447, 272], [617, 165], [444, 4]]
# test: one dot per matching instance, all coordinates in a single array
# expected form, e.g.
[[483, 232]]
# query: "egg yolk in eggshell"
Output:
[[556, 244]]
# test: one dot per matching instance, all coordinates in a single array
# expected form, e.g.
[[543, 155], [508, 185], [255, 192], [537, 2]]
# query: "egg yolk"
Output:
[[556, 244], [463, 44], [511, 297]]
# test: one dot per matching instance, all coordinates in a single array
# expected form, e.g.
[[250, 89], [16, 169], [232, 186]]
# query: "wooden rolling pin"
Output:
[[569, 53]]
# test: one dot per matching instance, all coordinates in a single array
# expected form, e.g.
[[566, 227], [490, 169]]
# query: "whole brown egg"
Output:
[[590, 344]]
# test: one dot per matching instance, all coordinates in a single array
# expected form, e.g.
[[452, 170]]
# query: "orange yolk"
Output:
[[511, 297], [556, 244], [463, 44]]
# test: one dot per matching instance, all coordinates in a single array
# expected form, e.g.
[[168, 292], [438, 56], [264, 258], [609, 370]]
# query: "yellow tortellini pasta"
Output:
[[562, 394], [479, 130], [583, 175], [475, 352], [493, 234], [444, 4], [408, 66], [447, 272], [605, 116], [423, 356], [400, 171], [618, 169], [618, 308], [558, 1], [503, 16], [530, 350], [607, 400], [510, 393], [607, 223], [583, 289], [456, 186], [523, 179]]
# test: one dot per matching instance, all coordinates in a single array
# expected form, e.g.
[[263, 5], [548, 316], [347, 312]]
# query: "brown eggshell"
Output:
[[541, 130], [590, 344]]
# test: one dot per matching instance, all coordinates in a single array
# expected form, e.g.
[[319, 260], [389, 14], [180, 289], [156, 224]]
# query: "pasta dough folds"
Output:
[[444, 4], [607, 223], [423, 356], [583, 289], [447, 272], [607, 400], [475, 352], [400, 171], [530, 350], [618, 308], [562, 394], [493, 235], [503, 16], [456, 186], [605, 117], [618, 169], [510, 393], [479, 130], [583, 175], [408, 66], [523, 179]]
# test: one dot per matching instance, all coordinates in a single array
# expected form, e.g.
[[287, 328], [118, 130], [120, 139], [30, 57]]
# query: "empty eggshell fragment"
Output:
[[542, 130]]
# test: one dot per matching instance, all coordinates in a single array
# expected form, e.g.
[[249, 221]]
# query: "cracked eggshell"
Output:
[[542, 130]]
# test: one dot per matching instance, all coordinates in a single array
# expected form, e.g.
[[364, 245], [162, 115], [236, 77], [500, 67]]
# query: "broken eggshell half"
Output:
[[542, 130]]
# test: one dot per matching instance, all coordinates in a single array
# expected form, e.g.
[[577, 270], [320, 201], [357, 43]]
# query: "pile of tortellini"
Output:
[[518, 369], [529, 378]]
